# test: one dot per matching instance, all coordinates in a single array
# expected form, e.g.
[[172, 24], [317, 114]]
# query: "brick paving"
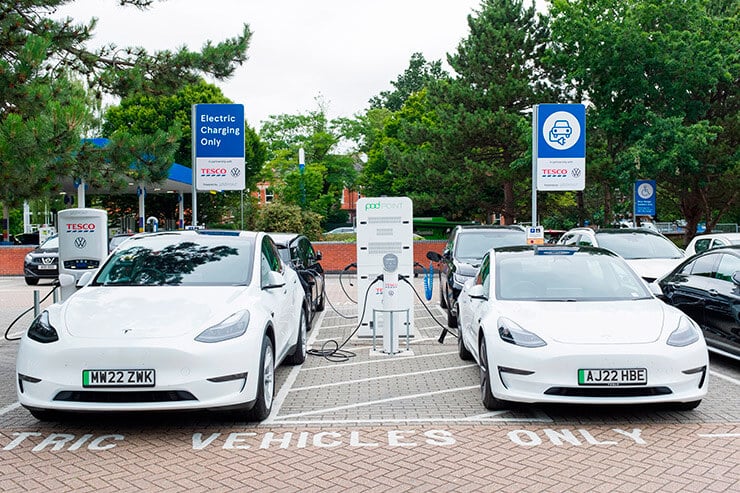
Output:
[[377, 423]]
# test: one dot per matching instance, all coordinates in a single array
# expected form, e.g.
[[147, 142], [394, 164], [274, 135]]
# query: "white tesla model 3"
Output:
[[171, 321], [560, 324]]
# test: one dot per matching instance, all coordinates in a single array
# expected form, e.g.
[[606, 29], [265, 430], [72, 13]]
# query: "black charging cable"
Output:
[[445, 329], [7, 331], [336, 354], [341, 284]]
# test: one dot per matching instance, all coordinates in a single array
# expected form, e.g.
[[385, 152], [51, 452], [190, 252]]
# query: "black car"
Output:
[[462, 256], [707, 288], [42, 262], [297, 251]]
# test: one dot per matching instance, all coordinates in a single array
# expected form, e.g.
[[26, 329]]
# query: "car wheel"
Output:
[[301, 347], [489, 401], [442, 297], [320, 305], [465, 355], [32, 281], [266, 383]]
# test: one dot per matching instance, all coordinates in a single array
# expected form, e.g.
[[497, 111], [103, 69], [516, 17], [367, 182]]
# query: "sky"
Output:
[[343, 52]]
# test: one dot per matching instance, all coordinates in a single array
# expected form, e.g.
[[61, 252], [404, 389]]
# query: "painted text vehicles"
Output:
[[177, 320], [554, 324]]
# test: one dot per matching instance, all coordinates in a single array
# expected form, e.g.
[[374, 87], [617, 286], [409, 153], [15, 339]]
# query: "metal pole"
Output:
[[193, 165], [302, 167], [535, 135]]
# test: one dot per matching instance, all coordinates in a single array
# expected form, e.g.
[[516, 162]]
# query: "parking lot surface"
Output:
[[372, 422]]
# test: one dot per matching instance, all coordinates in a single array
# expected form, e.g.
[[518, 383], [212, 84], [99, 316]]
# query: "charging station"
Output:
[[385, 255], [83, 241]]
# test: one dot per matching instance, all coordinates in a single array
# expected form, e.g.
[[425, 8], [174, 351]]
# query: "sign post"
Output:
[[218, 148], [558, 149], [644, 200]]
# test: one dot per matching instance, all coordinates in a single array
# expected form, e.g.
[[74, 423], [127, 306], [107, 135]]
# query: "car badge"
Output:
[[80, 242], [47, 260]]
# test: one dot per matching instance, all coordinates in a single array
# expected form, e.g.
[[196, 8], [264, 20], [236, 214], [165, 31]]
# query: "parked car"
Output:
[[459, 261], [42, 262], [116, 240], [171, 321], [341, 231], [701, 243], [558, 324], [297, 251], [648, 252], [706, 287]]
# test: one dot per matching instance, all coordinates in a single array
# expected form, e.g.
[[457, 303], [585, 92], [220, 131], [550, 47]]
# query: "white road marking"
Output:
[[719, 435], [724, 377], [11, 407], [383, 360], [371, 403], [384, 377]]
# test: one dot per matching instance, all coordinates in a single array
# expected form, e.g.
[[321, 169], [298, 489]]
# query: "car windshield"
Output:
[[571, 276], [470, 246], [635, 245], [179, 261], [52, 242]]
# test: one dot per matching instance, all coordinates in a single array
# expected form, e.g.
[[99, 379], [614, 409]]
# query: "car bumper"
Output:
[[550, 375], [35, 273], [196, 376]]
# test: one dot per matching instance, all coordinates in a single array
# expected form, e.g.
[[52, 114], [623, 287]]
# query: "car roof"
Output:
[[488, 227], [284, 238], [551, 250]]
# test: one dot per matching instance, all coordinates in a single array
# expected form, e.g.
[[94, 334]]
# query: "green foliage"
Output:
[[288, 218]]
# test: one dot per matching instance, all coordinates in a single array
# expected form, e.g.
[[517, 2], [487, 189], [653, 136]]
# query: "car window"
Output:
[[702, 266], [718, 243], [639, 245], [728, 265], [269, 260], [473, 245], [702, 245], [570, 239], [483, 276]]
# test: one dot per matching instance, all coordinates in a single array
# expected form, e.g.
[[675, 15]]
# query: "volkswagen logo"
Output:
[[576, 172], [80, 242], [235, 172]]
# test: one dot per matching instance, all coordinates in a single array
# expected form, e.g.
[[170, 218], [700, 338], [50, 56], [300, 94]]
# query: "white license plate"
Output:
[[47, 267], [612, 376], [118, 378]]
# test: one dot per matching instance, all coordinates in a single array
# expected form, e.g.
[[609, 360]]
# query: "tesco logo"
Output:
[[554, 171], [80, 227], [213, 172]]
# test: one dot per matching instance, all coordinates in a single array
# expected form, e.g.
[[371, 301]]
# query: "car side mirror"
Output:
[[656, 290], [736, 277], [274, 280], [477, 292], [434, 256], [85, 278], [318, 255]]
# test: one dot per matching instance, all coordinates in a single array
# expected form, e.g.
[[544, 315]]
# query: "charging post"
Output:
[[385, 255], [83, 243]]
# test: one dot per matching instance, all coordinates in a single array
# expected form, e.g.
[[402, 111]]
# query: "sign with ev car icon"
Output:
[[560, 146]]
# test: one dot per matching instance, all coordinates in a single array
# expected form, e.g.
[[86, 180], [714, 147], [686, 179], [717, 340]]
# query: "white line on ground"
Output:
[[291, 378], [11, 407], [329, 422], [724, 377], [384, 377], [371, 403], [719, 435], [383, 360]]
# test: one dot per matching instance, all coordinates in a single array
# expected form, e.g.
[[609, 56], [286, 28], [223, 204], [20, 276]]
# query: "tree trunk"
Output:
[[508, 212]]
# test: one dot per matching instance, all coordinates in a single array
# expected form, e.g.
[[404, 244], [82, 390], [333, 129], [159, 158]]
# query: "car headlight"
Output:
[[686, 333], [232, 327], [28, 258], [513, 334], [41, 330]]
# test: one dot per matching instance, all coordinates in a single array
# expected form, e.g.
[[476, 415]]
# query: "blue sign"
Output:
[[218, 146], [645, 198], [219, 130], [562, 131]]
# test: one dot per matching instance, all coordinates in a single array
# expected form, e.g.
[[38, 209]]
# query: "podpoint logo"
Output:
[[383, 205]]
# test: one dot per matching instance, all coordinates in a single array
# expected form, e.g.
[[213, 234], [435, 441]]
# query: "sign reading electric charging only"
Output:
[[218, 145]]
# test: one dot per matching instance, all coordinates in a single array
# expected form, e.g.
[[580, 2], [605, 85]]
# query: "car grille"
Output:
[[125, 397], [608, 391]]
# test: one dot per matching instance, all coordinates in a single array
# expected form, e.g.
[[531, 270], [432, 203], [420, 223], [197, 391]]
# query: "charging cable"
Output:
[[7, 331], [337, 354], [348, 267], [445, 329]]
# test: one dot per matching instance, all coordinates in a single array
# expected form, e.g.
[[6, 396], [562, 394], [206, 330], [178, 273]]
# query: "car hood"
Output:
[[589, 322], [653, 268], [468, 268], [147, 312]]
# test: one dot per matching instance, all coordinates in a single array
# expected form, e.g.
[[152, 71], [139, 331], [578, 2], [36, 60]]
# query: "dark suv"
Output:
[[462, 256], [42, 262]]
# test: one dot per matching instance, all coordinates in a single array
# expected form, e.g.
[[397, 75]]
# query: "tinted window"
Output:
[[639, 245], [728, 265], [702, 245], [703, 266], [473, 245], [179, 261]]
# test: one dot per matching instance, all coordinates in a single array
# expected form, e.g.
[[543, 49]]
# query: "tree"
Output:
[[415, 78], [663, 77], [46, 72]]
